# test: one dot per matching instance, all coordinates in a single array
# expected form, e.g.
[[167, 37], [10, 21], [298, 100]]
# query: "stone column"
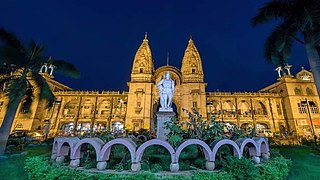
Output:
[[75, 163], [162, 117]]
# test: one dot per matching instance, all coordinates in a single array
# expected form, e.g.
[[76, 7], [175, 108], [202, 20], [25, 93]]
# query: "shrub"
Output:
[[240, 168], [213, 176], [156, 155], [120, 156], [39, 167], [275, 168], [155, 168]]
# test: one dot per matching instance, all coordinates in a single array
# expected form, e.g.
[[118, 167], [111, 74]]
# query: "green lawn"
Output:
[[13, 168], [305, 164]]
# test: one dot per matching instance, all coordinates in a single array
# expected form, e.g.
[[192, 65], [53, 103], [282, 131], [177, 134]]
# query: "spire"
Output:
[[143, 62], [145, 37], [191, 68], [190, 39], [168, 59]]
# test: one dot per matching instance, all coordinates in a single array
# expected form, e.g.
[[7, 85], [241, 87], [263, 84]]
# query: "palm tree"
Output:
[[20, 78], [298, 19]]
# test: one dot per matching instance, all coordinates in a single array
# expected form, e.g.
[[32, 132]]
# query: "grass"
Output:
[[305, 163], [13, 167]]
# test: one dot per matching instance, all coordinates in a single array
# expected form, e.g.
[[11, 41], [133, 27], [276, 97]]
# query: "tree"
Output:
[[20, 78], [298, 19]]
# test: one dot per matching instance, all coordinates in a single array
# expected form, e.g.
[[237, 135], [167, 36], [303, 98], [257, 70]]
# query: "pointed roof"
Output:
[[143, 58], [191, 63]]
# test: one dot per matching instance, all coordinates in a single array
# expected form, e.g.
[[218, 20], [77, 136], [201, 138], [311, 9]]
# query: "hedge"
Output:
[[40, 167]]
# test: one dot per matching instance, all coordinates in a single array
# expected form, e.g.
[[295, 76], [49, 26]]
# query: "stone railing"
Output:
[[258, 147], [243, 94]]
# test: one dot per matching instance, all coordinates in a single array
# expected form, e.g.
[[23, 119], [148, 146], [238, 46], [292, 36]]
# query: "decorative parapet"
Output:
[[64, 146], [90, 93], [249, 94]]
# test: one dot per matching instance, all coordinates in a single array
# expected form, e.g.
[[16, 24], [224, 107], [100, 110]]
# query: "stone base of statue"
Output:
[[163, 115]]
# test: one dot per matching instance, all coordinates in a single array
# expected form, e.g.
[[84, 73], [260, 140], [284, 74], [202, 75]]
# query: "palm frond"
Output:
[[66, 68], [9, 39], [279, 44], [17, 88], [306, 14], [10, 55], [43, 88], [271, 10]]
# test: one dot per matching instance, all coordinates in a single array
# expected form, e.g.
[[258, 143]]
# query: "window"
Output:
[[279, 109], [104, 112], [297, 91], [309, 91], [194, 104], [141, 70], [20, 126], [302, 107], [313, 107], [1, 105], [25, 107], [193, 70]]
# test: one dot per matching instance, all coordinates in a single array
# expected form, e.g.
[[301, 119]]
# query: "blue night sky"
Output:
[[101, 38]]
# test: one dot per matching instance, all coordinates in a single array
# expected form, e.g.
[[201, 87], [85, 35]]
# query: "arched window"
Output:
[[19, 126], [244, 108], [259, 108], [25, 107], [213, 107], [228, 108], [297, 91], [309, 91], [279, 109]]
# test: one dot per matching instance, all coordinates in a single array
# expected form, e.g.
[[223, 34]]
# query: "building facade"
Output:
[[289, 105]]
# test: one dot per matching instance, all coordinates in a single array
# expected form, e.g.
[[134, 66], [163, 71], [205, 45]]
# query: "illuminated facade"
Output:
[[287, 105]]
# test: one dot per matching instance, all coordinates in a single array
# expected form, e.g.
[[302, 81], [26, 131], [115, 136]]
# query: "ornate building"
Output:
[[290, 104]]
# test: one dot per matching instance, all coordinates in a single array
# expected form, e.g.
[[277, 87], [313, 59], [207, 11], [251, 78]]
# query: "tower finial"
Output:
[[167, 58], [146, 35], [190, 40]]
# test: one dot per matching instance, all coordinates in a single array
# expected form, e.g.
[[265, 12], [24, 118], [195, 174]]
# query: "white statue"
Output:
[[51, 67], [44, 68], [166, 90]]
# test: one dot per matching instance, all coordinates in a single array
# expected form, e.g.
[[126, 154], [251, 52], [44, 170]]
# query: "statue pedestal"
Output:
[[162, 117]]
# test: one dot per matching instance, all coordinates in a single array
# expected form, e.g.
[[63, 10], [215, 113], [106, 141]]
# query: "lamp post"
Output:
[[311, 123]]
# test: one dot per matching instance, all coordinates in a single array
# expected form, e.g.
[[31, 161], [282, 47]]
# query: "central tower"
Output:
[[143, 97]]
